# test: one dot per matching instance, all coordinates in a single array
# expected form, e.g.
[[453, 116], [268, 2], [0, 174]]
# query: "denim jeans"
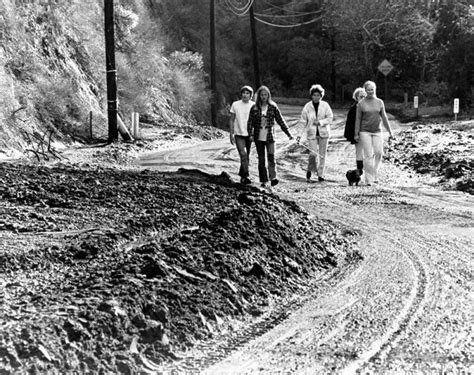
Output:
[[269, 147], [243, 147]]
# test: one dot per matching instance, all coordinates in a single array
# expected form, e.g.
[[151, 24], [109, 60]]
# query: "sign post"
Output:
[[456, 109], [385, 68], [415, 105]]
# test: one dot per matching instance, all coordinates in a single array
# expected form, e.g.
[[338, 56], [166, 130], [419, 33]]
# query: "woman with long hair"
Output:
[[368, 131], [261, 128]]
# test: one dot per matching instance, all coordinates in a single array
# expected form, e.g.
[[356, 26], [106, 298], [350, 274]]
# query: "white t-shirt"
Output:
[[263, 133], [241, 111]]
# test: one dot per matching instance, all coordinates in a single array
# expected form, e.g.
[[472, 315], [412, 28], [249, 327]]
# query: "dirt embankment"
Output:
[[441, 151], [116, 271]]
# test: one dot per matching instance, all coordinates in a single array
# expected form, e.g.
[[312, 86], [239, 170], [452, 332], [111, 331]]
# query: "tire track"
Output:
[[205, 355], [380, 349]]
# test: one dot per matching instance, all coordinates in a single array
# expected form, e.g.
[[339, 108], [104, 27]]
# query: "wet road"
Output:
[[407, 307]]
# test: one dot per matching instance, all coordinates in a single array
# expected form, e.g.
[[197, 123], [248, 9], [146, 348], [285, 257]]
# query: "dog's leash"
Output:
[[306, 147]]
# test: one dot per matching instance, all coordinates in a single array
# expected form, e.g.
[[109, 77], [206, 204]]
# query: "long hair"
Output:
[[258, 101]]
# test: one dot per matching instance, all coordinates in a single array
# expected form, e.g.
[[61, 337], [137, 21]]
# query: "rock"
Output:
[[256, 270], [152, 332]]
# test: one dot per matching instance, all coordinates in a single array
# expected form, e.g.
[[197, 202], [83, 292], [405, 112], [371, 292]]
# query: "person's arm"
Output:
[[350, 123], [383, 114], [231, 127], [281, 121], [328, 115], [357, 122], [250, 123], [303, 122]]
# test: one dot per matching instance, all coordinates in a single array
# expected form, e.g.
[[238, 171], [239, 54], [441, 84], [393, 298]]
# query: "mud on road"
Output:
[[143, 273], [408, 306]]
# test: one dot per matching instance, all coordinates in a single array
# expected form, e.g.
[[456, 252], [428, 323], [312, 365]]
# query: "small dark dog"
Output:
[[353, 176]]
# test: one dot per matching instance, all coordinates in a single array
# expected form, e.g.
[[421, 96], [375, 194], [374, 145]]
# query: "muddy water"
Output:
[[408, 307]]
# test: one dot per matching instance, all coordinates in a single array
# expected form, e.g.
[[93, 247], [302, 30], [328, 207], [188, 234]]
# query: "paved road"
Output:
[[407, 307]]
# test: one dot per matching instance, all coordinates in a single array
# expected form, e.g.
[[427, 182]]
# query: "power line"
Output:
[[295, 12], [289, 25], [239, 11], [242, 10], [288, 15]]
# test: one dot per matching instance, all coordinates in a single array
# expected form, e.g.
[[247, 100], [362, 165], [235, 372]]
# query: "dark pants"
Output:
[[269, 147], [243, 147]]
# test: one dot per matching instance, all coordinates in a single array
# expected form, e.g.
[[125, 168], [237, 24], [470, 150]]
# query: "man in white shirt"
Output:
[[239, 136]]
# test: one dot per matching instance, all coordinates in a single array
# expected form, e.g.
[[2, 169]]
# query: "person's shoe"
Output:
[[263, 184], [275, 182], [308, 176], [321, 179], [246, 181]]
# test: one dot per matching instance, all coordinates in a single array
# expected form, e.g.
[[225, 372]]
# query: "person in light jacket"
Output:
[[316, 119]]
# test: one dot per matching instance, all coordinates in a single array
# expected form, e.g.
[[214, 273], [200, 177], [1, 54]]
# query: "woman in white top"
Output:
[[316, 119], [368, 131]]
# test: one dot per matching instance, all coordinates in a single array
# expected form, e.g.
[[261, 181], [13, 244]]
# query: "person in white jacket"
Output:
[[316, 119]]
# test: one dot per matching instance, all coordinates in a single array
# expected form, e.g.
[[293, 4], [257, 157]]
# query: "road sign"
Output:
[[385, 67], [456, 106], [415, 102]]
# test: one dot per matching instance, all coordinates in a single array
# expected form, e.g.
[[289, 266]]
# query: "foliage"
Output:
[[454, 38], [340, 46]]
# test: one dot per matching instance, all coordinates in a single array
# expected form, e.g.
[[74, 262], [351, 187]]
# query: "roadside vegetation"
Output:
[[53, 59], [105, 268]]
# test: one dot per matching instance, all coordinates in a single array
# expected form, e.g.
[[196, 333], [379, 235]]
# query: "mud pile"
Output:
[[116, 271], [441, 150]]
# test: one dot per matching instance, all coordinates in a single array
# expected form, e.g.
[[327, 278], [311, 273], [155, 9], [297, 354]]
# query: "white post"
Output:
[[456, 109], [136, 122], [415, 105], [132, 127]]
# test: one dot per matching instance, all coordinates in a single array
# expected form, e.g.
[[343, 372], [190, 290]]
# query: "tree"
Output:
[[454, 39]]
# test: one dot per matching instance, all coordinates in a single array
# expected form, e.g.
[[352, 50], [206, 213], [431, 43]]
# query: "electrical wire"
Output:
[[239, 11], [242, 10], [237, 8], [289, 25], [295, 12], [288, 15]]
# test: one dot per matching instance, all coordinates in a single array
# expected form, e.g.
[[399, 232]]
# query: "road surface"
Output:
[[409, 304]]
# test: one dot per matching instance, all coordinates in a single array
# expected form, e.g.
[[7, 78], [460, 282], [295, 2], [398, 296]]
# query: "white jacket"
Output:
[[309, 117]]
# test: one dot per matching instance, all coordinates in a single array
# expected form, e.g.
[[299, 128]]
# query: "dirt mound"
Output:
[[442, 150], [115, 271]]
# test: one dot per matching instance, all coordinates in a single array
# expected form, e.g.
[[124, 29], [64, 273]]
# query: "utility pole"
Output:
[[256, 68], [110, 69], [213, 64], [333, 64]]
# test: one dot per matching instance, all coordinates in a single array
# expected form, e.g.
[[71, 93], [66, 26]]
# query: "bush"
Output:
[[59, 107]]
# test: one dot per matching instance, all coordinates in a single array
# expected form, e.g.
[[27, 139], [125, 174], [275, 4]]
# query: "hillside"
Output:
[[52, 74]]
